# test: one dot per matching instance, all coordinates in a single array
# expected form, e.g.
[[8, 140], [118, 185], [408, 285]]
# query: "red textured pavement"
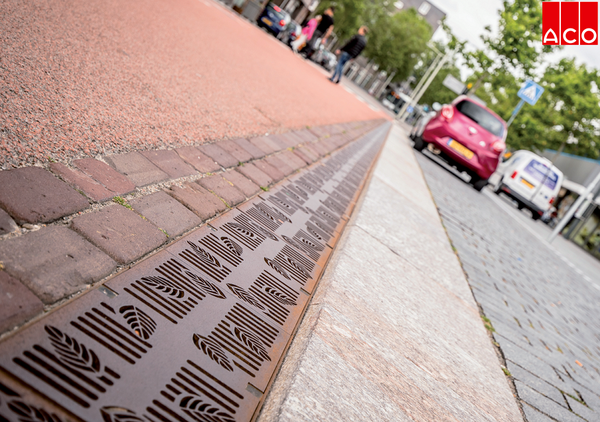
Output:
[[106, 76]]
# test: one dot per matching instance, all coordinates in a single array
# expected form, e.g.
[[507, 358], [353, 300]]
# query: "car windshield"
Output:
[[280, 14], [482, 117], [539, 171]]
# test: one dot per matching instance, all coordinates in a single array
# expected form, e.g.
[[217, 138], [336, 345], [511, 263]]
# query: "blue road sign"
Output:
[[530, 92]]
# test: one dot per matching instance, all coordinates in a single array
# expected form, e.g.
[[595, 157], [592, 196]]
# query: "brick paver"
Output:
[[169, 162], [7, 224], [166, 213], [222, 157], [79, 180], [106, 175], [198, 199], [268, 169], [306, 154], [251, 148], [223, 189], [233, 148], [34, 195], [54, 262], [264, 144], [198, 160], [279, 164], [137, 168], [17, 303], [248, 187], [255, 174], [119, 232], [292, 159]]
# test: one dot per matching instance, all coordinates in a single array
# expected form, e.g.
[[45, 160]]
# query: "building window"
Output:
[[424, 8]]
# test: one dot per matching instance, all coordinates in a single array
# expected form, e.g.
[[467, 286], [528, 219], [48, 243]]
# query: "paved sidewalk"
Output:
[[393, 332], [544, 312]]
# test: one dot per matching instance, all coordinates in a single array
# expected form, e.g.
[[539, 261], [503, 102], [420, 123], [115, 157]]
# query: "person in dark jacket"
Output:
[[350, 51]]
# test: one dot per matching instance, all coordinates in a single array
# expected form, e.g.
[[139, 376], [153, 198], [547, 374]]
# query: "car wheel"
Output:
[[535, 216], [520, 206], [479, 183], [419, 144], [498, 189]]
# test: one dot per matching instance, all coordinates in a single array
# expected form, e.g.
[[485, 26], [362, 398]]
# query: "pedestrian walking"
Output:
[[350, 51], [307, 34], [322, 32]]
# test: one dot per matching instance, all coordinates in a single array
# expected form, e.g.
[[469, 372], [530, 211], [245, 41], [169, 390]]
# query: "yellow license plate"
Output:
[[526, 183], [461, 149], [267, 21]]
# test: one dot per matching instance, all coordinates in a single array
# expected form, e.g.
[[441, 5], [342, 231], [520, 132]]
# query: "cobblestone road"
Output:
[[546, 316]]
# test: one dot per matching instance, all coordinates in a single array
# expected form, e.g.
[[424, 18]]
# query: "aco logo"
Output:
[[570, 23]]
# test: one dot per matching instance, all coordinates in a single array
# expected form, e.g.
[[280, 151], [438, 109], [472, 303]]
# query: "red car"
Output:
[[468, 135]]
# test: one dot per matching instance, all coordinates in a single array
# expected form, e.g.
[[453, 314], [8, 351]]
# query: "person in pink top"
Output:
[[307, 33]]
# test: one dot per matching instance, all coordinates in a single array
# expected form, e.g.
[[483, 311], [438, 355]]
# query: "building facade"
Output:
[[432, 14]]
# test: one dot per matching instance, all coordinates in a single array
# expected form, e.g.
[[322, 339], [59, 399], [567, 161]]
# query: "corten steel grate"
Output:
[[196, 332]]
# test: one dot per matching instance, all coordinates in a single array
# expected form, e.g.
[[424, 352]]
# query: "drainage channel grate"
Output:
[[196, 332]]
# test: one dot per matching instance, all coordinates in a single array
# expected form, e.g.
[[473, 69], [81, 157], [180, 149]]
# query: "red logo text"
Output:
[[570, 23]]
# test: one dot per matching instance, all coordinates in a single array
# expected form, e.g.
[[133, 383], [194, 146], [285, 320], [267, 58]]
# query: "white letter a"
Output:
[[555, 39]]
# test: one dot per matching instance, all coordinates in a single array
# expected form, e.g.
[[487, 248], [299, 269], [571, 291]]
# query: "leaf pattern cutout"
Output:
[[241, 229], [298, 266], [141, 324], [291, 242], [27, 413], [71, 352], [213, 350], [164, 285], [206, 285], [252, 341], [280, 297], [314, 233], [204, 256], [198, 409], [245, 296], [264, 231], [232, 246], [119, 414], [268, 210], [277, 267]]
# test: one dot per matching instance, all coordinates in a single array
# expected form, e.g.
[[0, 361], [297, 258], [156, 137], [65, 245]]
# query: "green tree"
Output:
[[567, 111], [396, 41], [437, 92]]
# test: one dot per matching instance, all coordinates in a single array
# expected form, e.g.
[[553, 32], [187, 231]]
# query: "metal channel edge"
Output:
[[199, 330]]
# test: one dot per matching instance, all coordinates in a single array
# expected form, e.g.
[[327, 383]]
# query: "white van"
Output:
[[530, 180]]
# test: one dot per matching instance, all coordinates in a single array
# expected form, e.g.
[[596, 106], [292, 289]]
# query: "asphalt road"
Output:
[[102, 76], [544, 312]]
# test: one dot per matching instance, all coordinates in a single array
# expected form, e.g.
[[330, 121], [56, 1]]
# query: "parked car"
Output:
[[290, 33], [395, 100], [467, 135], [325, 58], [273, 19], [530, 180]]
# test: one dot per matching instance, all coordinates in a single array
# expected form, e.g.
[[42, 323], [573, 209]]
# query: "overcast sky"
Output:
[[467, 18]]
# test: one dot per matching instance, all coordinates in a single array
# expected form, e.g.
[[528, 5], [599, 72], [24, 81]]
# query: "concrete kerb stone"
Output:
[[223, 189], [169, 162], [185, 196], [234, 148], [222, 157]]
